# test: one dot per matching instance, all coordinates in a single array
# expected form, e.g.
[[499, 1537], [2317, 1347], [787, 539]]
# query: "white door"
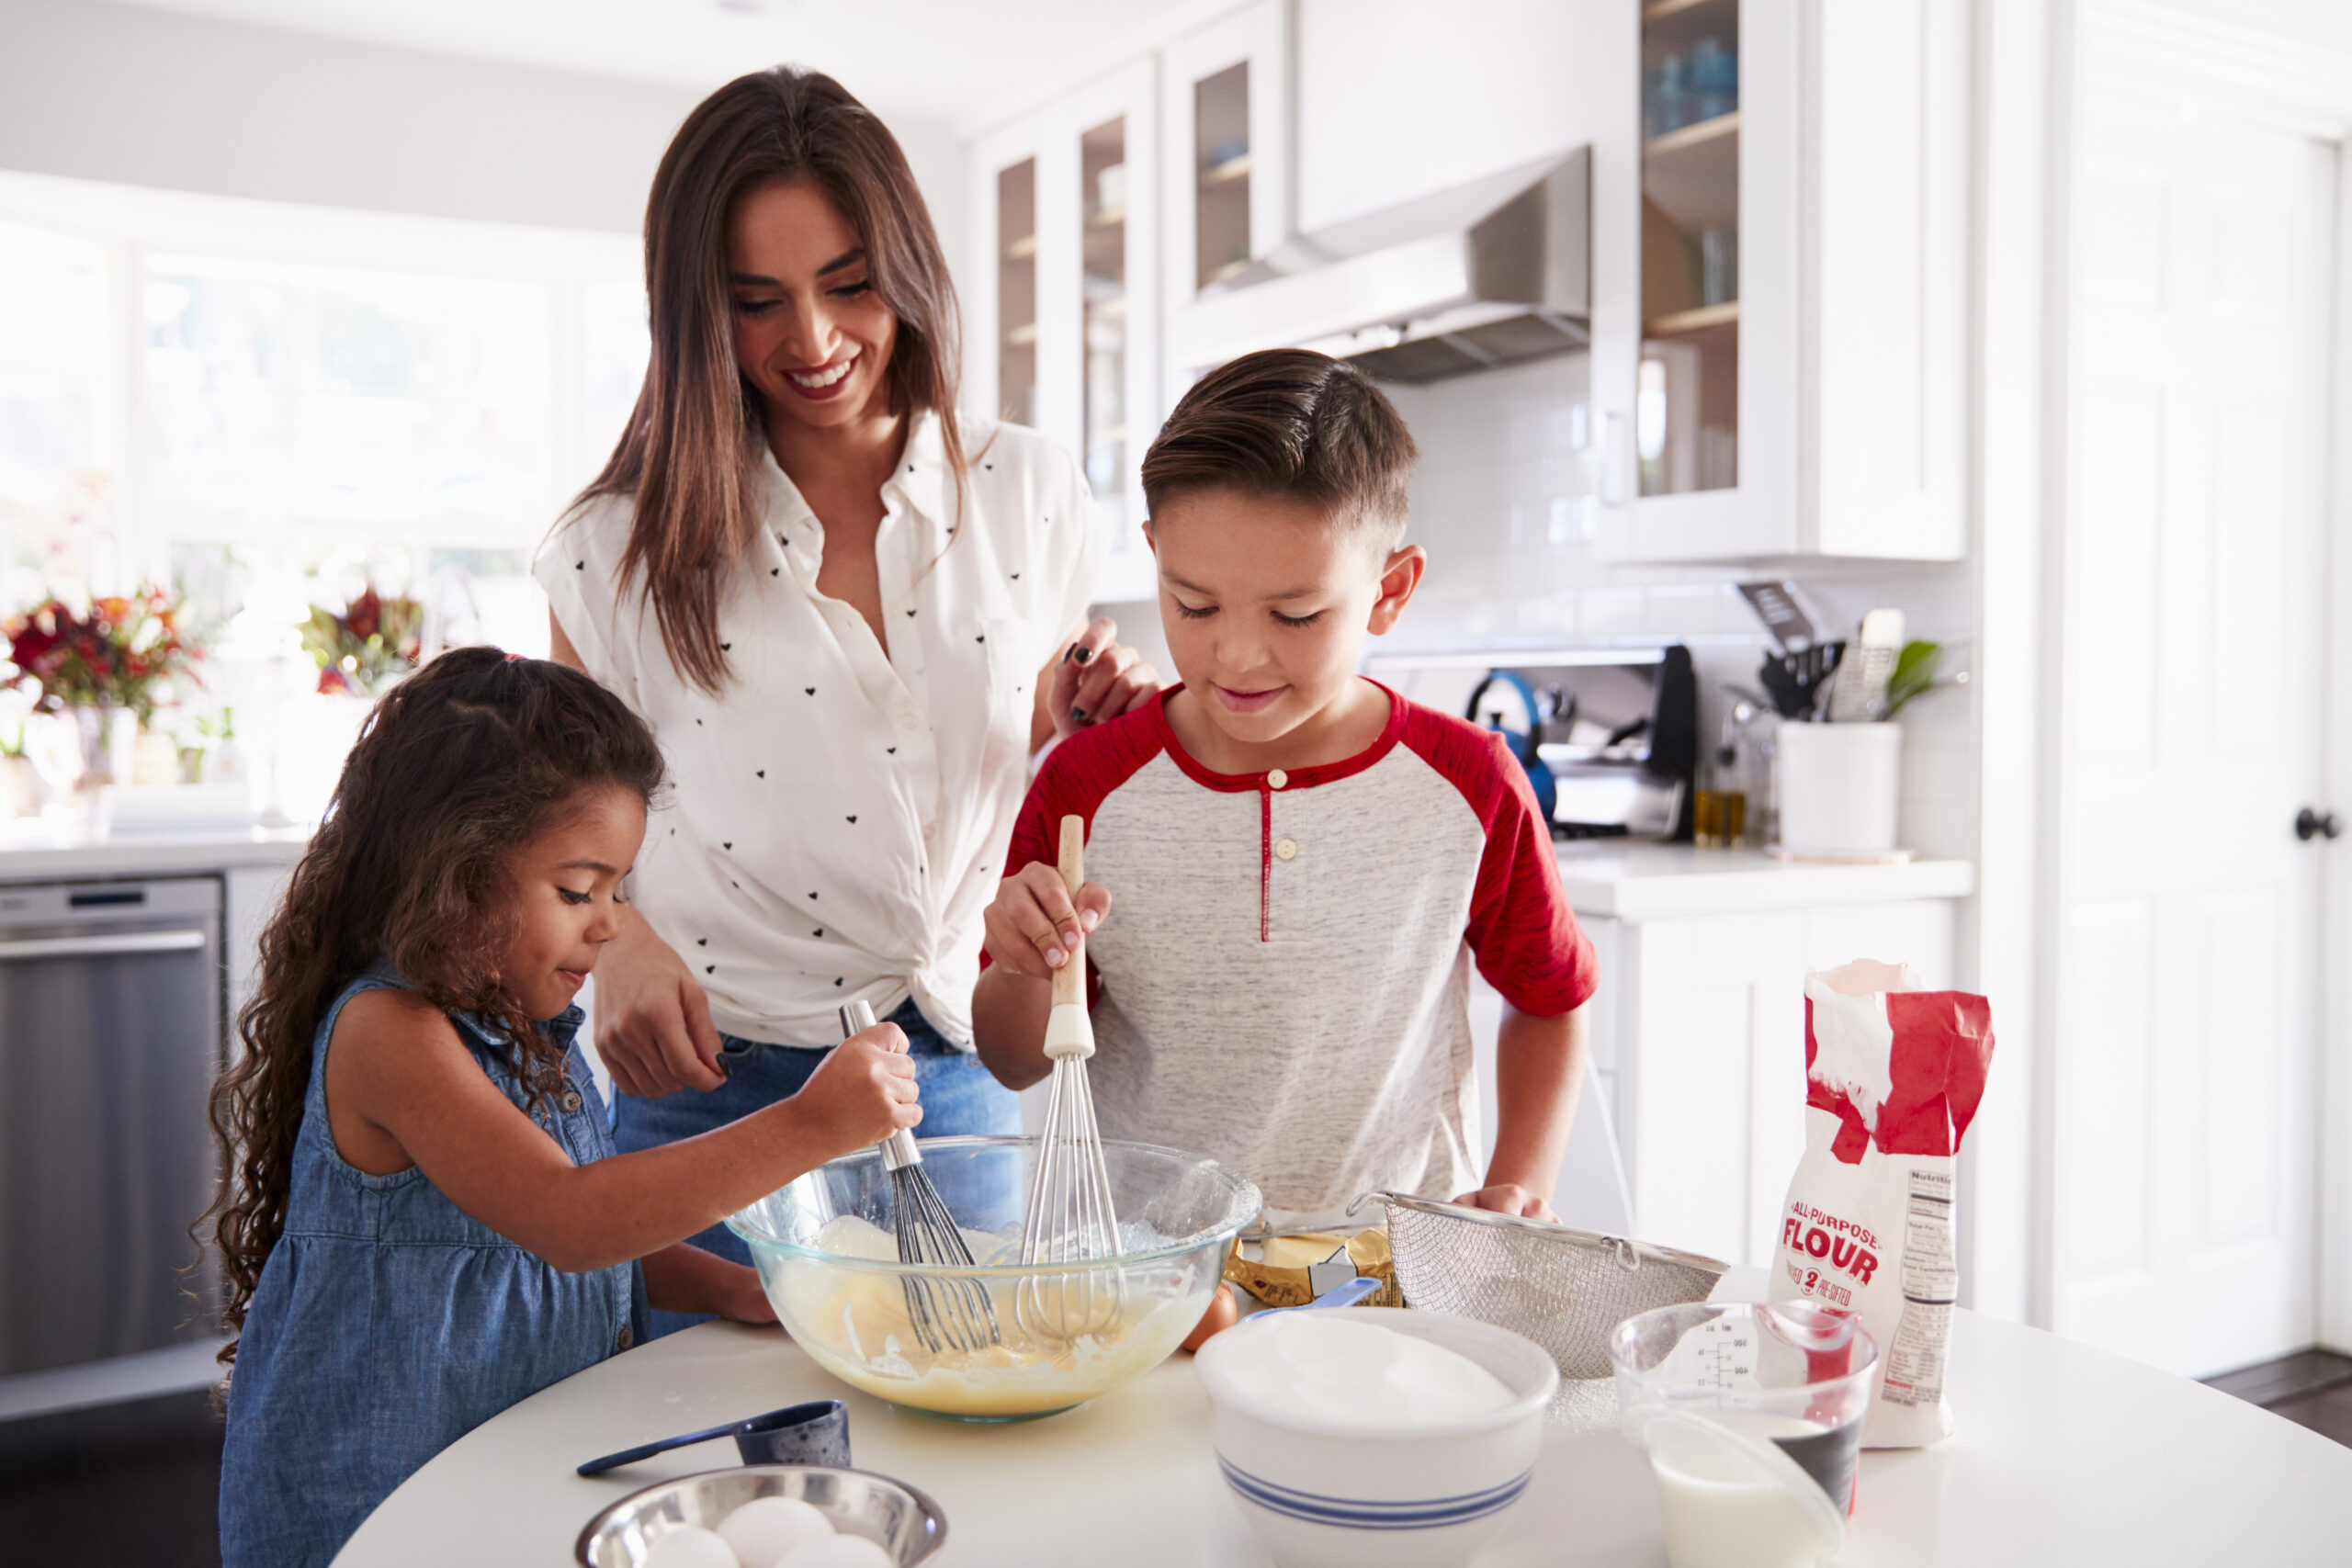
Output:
[[2187, 1081]]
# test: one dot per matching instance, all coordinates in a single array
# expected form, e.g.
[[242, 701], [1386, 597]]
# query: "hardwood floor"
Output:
[[2312, 1387]]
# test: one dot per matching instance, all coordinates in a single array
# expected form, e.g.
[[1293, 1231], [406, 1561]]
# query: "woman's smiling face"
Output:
[[811, 334]]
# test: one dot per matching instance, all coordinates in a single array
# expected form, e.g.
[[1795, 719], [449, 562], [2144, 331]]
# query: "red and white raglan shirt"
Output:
[[1282, 981]]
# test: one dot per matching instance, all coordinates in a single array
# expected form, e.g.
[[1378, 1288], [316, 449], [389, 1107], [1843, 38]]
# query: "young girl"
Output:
[[421, 1218]]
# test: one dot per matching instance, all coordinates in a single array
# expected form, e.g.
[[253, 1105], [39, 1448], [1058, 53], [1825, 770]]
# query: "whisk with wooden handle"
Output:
[[947, 1314], [1069, 1218]]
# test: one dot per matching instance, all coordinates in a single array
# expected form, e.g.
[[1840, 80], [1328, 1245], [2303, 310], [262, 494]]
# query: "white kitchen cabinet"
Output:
[[1226, 147], [1708, 1056], [1064, 330], [1802, 241], [1398, 99]]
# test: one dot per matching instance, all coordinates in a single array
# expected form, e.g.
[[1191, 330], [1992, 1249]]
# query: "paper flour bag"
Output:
[[1893, 1076]]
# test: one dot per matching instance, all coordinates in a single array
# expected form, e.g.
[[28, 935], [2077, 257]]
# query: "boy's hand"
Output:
[[1510, 1198], [862, 1092], [1033, 926]]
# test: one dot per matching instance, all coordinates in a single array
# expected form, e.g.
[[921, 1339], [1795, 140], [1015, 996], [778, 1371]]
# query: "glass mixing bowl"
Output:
[[824, 1251]]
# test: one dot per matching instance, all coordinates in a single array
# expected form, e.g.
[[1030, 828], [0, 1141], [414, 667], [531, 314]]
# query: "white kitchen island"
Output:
[[2064, 1456]]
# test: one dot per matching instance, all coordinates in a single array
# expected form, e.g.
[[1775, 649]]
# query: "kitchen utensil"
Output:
[[826, 1259], [814, 1433], [907, 1522], [1858, 693], [1338, 1296], [1775, 604], [1752, 1419], [1563, 1289], [1320, 1490], [1071, 1218], [950, 1314], [1794, 680]]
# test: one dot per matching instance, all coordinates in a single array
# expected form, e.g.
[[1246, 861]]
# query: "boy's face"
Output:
[[1266, 604]]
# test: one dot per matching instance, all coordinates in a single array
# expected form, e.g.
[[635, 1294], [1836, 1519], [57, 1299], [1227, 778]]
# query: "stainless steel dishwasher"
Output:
[[111, 1022]]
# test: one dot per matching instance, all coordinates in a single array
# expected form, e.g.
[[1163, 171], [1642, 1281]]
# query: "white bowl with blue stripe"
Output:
[[1321, 1492]]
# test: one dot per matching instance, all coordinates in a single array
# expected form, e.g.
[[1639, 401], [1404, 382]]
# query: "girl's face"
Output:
[[566, 890], [811, 332]]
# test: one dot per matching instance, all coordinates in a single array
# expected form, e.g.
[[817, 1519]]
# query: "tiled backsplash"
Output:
[[1499, 503]]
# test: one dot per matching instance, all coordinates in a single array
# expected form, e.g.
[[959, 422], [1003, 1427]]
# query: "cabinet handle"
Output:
[[2311, 824], [100, 946]]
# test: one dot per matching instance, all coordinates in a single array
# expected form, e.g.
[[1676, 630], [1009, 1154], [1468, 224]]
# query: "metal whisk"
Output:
[[948, 1314], [1069, 1218]]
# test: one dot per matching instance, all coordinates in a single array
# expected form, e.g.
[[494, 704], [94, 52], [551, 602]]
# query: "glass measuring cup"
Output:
[[1751, 1416]]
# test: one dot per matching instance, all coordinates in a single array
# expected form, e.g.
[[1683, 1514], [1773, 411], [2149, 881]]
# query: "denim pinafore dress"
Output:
[[388, 1323]]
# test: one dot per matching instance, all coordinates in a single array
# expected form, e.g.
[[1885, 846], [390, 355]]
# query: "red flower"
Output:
[[366, 613]]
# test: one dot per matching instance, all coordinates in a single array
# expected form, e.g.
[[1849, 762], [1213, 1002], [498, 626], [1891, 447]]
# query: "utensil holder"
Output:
[[1837, 787]]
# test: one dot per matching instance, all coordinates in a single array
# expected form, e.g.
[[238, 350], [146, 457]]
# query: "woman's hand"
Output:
[[1033, 926], [1097, 678], [653, 1027], [742, 1300], [863, 1091]]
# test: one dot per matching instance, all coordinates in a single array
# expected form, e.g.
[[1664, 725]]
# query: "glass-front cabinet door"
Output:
[[1686, 410], [1225, 164], [1064, 328]]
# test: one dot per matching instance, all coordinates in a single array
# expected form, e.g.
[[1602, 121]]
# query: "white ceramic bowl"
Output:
[[1321, 1493]]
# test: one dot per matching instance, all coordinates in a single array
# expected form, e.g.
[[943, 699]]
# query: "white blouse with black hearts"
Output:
[[837, 812]]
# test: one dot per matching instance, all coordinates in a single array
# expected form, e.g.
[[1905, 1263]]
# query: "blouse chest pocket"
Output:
[[1012, 660]]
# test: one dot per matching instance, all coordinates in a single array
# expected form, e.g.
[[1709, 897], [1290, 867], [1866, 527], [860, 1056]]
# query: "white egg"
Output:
[[764, 1530], [693, 1546], [841, 1551]]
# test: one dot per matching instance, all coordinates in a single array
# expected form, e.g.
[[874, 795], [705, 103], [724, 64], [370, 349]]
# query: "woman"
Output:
[[849, 615]]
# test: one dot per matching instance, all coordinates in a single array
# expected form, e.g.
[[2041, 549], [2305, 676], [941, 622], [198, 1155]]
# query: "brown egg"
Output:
[[1224, 1312]]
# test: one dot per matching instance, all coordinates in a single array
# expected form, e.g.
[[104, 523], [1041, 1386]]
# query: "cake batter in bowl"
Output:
[[823, 1248]]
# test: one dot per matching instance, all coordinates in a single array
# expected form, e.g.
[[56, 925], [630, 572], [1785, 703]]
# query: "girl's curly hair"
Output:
[[461, 764]]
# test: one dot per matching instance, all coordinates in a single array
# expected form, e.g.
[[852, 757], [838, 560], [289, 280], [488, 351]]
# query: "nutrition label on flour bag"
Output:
[[1915, 1361]]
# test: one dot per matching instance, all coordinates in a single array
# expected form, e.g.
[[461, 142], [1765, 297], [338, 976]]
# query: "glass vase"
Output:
[[108, 735]]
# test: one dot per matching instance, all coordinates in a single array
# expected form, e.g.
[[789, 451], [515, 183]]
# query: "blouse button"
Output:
[[625, 1339], [1285, 849], [1276, 779], [571, 1100]]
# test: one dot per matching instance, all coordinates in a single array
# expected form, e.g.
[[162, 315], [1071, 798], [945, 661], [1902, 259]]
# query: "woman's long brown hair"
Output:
[[685, 455], [459, 765]]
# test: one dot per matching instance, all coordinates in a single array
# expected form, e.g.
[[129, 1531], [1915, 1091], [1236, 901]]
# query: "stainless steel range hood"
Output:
[[1481, 276]]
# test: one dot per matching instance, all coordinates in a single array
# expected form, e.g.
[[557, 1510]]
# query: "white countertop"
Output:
[[1646, 881], [43, 850], [2064, 1456]]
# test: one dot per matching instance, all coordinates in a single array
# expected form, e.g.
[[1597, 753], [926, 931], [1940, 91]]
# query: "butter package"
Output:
[[1894, 1073], [1291, 1271]]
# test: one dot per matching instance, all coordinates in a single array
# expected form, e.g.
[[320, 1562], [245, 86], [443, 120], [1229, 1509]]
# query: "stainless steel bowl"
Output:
[[905, 1521]]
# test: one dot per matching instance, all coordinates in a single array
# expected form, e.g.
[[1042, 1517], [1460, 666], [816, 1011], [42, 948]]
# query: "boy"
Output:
[[1305, 864]]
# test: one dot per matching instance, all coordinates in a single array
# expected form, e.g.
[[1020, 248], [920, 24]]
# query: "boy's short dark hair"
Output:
[[1291, 425]]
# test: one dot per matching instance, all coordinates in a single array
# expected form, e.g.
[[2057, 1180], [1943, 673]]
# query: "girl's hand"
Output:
[[862, 1092], [1032, 927], [1097, 678], [653, 1027]]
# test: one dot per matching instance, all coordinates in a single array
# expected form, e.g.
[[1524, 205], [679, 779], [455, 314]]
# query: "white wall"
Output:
[[101, 92], [1494, 504]]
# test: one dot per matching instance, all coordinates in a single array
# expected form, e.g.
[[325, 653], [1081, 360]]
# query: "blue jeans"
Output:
[[958, 1096]]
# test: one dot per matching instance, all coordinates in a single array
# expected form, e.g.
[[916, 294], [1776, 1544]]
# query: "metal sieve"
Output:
[[1563, 1289]]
